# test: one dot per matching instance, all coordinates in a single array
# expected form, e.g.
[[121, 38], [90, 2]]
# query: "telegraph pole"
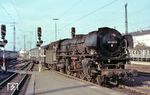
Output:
[[24, 37], [14, 36], [30, 42], [126, 19], [55, 19]]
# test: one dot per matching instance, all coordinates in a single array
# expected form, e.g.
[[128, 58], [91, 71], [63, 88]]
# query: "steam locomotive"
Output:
[[99, 56]]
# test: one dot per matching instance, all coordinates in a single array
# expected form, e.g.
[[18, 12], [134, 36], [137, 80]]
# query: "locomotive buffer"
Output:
[[39, 43]]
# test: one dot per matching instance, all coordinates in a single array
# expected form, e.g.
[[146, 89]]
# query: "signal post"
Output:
[[38, 44], [2, 45]]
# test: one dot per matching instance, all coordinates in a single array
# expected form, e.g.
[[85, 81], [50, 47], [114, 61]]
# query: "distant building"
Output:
[[22, 54], [141, 38]]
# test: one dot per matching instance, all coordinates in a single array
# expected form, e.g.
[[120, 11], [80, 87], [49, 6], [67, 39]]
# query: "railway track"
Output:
[[144, 74], [127, 88], [140, 84], [13, 84]]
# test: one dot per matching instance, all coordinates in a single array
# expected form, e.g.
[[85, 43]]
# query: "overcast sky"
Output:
[[85, 15]]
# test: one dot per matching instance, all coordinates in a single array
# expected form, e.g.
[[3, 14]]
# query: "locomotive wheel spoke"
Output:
[[75, 74], [100, 80], [61, 70], [82, 76], [68, 70]]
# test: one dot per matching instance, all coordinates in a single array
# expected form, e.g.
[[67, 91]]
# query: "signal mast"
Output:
[[38, 44], [2, 45]]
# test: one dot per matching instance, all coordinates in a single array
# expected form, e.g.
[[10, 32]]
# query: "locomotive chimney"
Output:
[[73, 32]]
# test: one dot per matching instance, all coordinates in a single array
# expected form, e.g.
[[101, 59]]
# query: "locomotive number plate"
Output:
[[111, 42]]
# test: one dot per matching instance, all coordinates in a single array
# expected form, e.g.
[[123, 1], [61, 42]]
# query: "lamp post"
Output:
[[55, 19], [126, 19]]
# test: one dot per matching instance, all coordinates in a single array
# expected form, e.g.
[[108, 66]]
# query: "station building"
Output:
[[141, 42], [141, 38]]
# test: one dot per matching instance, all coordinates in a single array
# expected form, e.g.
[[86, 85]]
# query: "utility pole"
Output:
[[24, 37], [55, 19], [14, 36], [30, 44], [126, 19]]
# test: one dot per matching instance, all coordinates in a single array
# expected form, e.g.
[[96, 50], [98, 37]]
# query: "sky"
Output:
[[85, 15]]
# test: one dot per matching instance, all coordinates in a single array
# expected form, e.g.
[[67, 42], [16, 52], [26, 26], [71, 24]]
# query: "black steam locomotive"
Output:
[[99, 57]]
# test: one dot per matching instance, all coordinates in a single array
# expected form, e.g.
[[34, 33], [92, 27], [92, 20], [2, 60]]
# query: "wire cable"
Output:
[[71, 8], [15, 8], [9, 15], [90, 13], [94, 11]]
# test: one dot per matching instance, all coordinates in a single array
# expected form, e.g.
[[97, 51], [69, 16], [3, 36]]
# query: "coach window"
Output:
[[139, 51], [133, 52], [136, 52], [146, 52]]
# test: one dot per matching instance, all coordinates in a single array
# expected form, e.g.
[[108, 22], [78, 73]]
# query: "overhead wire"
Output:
[[18, 15], [134, 24], [9, 15], [71, 8], [94, 11], [15, 8]]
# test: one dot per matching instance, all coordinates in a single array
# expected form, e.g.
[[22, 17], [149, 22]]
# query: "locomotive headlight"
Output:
[[111, 45], [108, 60]]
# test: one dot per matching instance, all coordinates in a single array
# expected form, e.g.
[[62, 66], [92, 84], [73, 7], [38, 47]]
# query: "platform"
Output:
[[52, 83], [139, 66], [140, 63]]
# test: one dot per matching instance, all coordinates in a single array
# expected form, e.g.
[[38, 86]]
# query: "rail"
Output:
[[18, 78]]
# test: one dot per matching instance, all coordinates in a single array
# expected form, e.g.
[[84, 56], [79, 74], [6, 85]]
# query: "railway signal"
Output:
[[38, 44], [73, 32], [2, 44], [3, 31], [39, 34], [3, 34]]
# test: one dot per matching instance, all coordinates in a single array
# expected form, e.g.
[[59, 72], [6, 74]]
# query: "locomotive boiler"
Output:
[[99, 56]]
